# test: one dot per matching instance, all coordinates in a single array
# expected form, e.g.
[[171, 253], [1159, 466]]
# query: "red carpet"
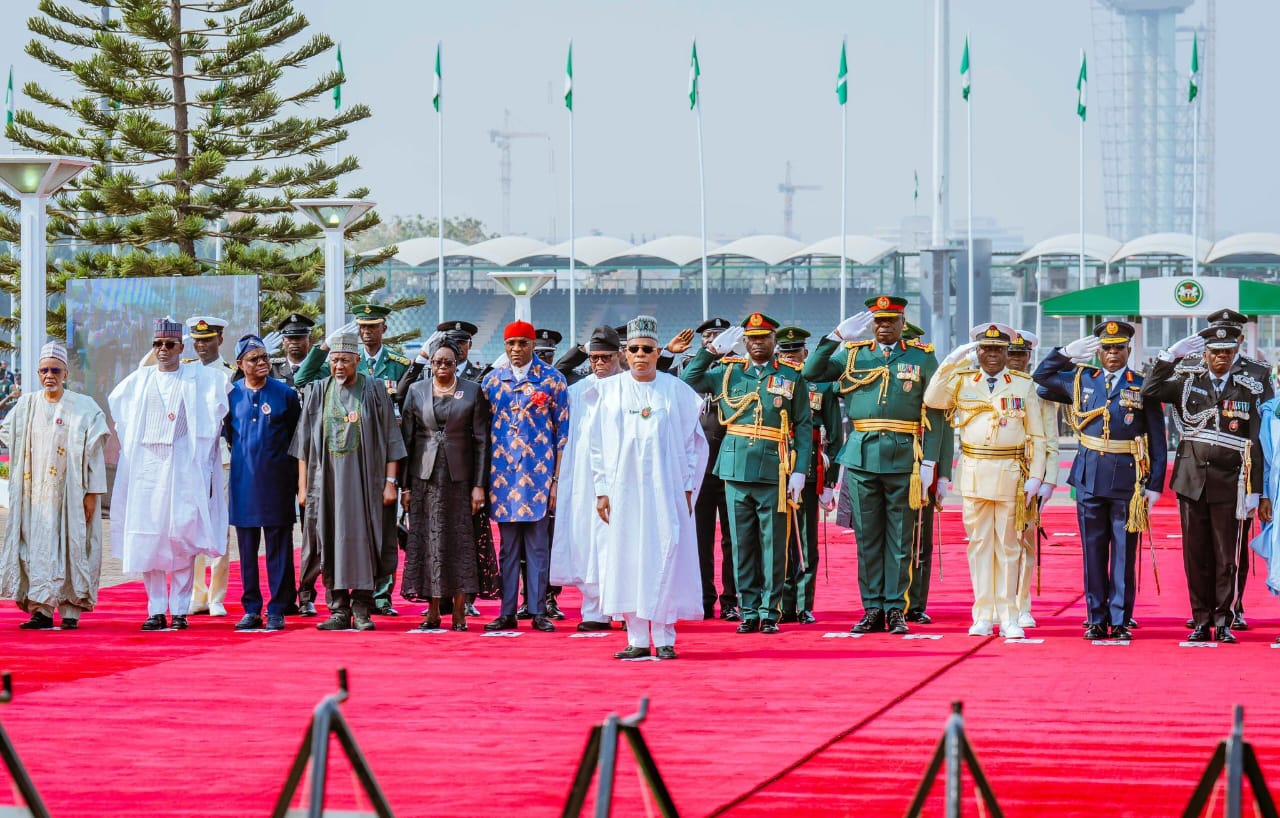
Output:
[[112, 721]]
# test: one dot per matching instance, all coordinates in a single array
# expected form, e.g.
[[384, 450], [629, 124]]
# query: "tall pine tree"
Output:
[[201, 117]]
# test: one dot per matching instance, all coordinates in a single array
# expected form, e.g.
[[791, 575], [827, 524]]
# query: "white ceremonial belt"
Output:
[[1215, 438]]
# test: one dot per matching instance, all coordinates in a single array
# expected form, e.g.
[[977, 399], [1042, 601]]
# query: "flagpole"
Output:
[[440, 195], [1083, 327], [844, 202], [702, 200], [1195, 190], [573, 236], [968, 117]]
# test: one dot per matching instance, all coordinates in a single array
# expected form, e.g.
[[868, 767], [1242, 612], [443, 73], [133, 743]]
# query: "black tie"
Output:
[[991, 383], [1217, 385]]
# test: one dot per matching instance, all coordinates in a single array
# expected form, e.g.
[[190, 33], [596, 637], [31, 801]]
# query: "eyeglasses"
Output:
[[254, 359], [165, 344], [636, 349], [50, 370], [444, 364], [602, 357], [1113, 347]]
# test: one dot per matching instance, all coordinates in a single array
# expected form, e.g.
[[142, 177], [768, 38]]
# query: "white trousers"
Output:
[[664, 634], [214, 589], [994, 548], [1026, 570], [591, 609], [176, 598]]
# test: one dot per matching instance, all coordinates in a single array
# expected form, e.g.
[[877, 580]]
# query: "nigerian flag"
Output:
[[842, 78], [9, 100], [1082, 87], [337, 89], [568, 79], [695, 71], [1192, 91], [966, 76], [435, 97]]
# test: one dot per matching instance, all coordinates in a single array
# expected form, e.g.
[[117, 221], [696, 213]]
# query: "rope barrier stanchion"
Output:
[[957, 753], [327, 720], [1236, 756], [600, 761], [21, 778]]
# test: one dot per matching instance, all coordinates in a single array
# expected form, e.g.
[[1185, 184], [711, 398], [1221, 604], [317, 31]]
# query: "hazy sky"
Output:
[[768, 97]]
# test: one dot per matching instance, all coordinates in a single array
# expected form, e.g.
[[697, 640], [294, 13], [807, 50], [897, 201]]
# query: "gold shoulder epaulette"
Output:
[[732, 359], [851, 344], [1019, 374], [918, 344], [793, 364], [400, 359], [187, 360], [230, 366]]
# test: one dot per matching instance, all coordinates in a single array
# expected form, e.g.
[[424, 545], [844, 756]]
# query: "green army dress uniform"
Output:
[[890, 435], [752, 400], [387, 367]]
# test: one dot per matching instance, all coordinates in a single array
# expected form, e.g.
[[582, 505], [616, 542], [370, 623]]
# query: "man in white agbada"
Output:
[[576, 539], [52, 553], [648, 455], [168, 505]]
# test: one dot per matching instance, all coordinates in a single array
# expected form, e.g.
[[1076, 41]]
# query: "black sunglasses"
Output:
[[50, 370], [1113, 347], [601, 357], [165, 344], [636, 349], [445, 363]]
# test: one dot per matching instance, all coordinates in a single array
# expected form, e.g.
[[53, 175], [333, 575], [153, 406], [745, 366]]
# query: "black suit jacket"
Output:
[[464, 432]]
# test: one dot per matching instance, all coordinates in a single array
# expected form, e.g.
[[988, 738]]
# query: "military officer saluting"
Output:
[[295, 332], [891, 452], [819, 484], [1001, 457], [1118, 472], [1217, 473], [763, 404]]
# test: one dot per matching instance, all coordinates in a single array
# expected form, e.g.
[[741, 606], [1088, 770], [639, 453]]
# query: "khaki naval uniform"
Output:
[[213, 590], [1002, 443]]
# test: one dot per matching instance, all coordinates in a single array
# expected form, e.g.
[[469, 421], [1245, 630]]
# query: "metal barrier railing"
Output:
[[600, 761], [954, 748], [21, 779], [1239, 760]]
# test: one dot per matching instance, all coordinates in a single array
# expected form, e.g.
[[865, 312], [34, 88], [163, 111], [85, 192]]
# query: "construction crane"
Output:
[[788, 192], [503, 140]]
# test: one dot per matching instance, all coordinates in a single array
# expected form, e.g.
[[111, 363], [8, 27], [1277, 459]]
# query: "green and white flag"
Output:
[[9, 100], [966, 76], [1082, 87], [695, 71], [436, 84], [337, 89], [842, 78], [568, 79], [1192, 91]]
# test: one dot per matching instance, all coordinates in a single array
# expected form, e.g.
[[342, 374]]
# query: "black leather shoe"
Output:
[[586, 626], [308, 609], [523, 612], [386, 610], [769, 627], [364, 623], [896, 623], [541, 623], [178, 622], [155, 622], [1224, 634], [291, 610], [249, 622], [730, 614], [38, 622], [472, 610], [872, 621], [807, 618], [1191, 623], [749, 626], [1095, 632], [919, 617], [335, 622], [1132, 624], [1122, 633], [553, 609], [502, 623], [70, 624], [788, 618], [667, 652], [275, 623], [1200, 634], [631, 652], [709, 613], [1240, 624]]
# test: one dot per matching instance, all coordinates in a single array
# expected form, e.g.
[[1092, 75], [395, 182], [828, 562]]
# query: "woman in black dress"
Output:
[[445, 422]]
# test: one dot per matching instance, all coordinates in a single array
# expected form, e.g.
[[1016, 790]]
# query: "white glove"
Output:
[[795, 485], [1152, 496], [944, 488], [1187, 346], [826, 461], [348, 328], [723, 343], [827, 498], [1045, 492], [926, 474], [424, 351], [960, 352], [1251, 503], [1082, 347], [853, 327], [1031, 489], [272, 342]]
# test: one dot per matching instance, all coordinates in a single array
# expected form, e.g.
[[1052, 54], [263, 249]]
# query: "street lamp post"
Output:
[[33, 180], [334, 216], [521, 285]]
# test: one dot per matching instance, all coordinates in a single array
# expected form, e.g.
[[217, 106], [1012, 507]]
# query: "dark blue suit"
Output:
[[1104, 481], [262, 490]]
